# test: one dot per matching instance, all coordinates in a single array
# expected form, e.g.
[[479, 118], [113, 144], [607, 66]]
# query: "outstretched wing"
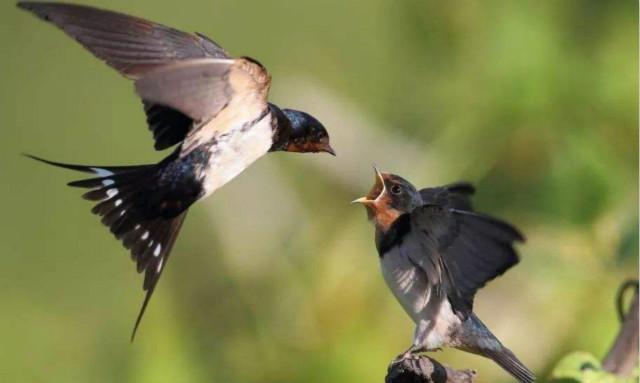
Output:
[[201, 88], [133, 46], [464, 249]]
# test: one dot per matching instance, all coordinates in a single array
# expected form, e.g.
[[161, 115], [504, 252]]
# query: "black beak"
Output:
[[329, 149]]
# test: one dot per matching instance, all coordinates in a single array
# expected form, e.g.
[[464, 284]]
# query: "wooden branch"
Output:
[[623, 355], [423, 369]]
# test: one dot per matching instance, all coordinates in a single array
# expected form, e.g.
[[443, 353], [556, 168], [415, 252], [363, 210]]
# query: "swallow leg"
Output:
[[404, 355], [419, 342], [421, 332], [412, 353]]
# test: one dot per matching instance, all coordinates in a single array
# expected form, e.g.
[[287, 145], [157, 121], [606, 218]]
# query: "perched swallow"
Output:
[[435, 253], [212, 106]]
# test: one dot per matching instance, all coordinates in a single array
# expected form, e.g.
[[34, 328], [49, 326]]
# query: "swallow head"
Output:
[[390, 197], [307, 134]]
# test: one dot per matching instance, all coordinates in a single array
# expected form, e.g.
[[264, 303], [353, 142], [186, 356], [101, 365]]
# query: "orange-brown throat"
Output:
[[378, 204], [383, 215], [309, 147]]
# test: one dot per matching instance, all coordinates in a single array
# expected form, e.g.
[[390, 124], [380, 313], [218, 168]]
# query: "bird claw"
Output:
[[411, 353], [402, 357]]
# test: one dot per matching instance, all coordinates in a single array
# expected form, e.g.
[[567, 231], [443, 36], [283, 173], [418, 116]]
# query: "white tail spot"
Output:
[[118, 202], [157, 251], [150, 244], [136, 227], [123, 212], [145, 235], [112, 192], [100, 172]]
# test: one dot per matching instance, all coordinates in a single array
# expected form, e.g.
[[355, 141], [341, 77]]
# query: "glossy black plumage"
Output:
[[143, 206], [169, 126]]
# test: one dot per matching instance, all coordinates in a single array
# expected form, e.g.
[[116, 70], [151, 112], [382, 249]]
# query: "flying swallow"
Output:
[[212, 106], [435, 253]]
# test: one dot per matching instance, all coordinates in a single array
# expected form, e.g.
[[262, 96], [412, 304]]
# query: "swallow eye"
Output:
[[396, 189]]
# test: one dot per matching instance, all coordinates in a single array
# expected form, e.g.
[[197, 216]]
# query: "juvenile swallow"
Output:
[[435, 253], [212, 106]]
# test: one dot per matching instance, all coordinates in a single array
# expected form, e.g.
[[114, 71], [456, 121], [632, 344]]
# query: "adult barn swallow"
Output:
[[212, 106], [435, 253]]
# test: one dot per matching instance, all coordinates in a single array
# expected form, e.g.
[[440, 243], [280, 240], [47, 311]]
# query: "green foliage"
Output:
[[583, 367]]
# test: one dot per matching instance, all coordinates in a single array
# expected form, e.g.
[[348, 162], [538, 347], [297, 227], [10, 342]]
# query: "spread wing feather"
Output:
[[465, 249], [134, 47], [131, 45], [201, 88]]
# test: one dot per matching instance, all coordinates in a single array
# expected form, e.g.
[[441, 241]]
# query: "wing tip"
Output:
[[35, 7], [463, 187], [506, 227], [24, 5]]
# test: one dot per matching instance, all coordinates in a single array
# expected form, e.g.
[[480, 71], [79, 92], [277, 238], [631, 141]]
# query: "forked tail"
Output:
[[140, 212]]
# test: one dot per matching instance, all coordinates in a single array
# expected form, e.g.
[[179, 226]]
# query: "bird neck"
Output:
[[387, 238], [282, 129]]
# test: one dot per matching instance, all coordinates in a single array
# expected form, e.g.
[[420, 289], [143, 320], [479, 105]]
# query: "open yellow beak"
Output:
[[362, 200], [376, 191]]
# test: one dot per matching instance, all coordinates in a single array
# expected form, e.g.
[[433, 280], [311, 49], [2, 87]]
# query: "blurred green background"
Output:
[[276, 278]]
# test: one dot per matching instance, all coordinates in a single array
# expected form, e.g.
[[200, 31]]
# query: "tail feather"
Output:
[[154, 268], [122, 194], [475, 337], [507, 360], [100, 171]]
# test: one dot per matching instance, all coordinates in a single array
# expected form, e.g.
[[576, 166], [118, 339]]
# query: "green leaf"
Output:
[[583, 367]]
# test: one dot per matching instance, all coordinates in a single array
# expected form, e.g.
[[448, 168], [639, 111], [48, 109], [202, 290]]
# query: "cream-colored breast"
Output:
[[236, 149], [405, 282], [413, 291]]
